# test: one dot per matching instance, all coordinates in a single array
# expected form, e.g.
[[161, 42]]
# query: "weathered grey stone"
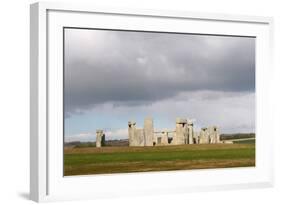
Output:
[[139, 137], [164, 140], [155, 136], [204, 136], [148, 132], [181, 132], [136, 136], [218, 140], [196, 137], [214, 134], [181, 121], [209, 135], [131, 133], [100, 138], [190, 132]]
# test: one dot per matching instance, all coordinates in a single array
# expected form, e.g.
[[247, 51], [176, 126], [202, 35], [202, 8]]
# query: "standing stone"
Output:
[[218, 140], [214, 134], [131, 132], [196, 137], [164, 138], [100, 138], [204, 136], [148, 132], [136, 136], [190, 132], [139, 137], [181, 131], [211, 135], [155, 139]]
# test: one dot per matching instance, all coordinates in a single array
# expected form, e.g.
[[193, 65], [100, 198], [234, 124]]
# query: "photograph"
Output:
[[151, 101]]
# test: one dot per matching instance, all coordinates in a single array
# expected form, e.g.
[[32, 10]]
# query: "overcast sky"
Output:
[[112, 77]]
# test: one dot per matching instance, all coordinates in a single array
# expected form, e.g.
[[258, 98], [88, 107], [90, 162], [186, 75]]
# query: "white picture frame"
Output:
[[46, 178]]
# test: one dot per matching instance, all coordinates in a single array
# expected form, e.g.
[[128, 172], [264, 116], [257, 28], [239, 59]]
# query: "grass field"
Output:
[[105, 160]]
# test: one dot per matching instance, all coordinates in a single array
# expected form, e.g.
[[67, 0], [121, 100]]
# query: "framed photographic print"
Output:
[[128, 102]]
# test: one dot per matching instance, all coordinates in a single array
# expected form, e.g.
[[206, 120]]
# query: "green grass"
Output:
[[81, 161]]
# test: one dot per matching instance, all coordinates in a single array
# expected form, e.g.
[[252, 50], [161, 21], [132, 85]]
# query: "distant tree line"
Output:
[[108, 143], [237, 136]]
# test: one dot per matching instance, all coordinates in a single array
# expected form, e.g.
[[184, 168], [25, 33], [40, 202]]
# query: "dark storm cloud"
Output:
[[132, 68]]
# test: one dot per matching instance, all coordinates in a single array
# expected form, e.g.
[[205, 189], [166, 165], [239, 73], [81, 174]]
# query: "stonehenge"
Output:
[[183, 134]]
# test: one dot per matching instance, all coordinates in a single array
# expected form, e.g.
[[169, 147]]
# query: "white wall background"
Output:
[[14, 101]]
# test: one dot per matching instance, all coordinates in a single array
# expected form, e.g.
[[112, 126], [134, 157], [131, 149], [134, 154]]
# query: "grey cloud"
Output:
[[141, 68], [232, 112]]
